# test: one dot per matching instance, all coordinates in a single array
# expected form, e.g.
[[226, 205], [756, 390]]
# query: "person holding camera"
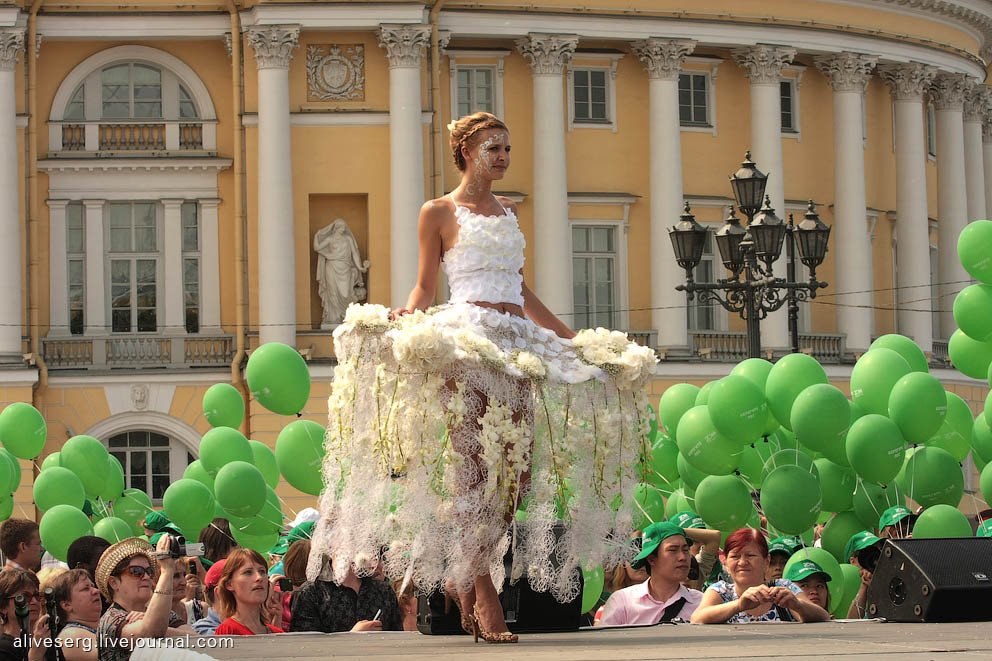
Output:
[[78, 607], [243, 596], [126, 576], [862, 551], [22, 622]]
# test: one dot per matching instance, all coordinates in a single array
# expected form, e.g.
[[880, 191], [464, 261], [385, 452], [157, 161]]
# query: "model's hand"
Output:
[[396, 313], [368, 625]]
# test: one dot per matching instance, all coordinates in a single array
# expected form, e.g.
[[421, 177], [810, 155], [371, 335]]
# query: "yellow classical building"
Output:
[[167, 169]]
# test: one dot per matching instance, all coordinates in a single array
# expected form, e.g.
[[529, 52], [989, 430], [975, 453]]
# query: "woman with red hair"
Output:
[[749, 598]]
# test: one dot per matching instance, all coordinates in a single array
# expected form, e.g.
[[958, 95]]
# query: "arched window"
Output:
[[151, 460], [131, 91]]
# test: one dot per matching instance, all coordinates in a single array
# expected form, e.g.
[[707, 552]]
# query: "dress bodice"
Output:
[[484, 264]]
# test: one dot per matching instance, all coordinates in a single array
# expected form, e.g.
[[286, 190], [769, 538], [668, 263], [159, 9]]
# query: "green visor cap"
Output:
[[687, 519], [156, 521], [302, 531], [654, 535], [805, 569], [858, 541], [985, 529], [893, 515], [787, 545], [281, 547]]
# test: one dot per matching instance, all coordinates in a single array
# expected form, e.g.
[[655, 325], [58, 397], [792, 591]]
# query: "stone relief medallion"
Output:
[[139, 397], [336, 72]]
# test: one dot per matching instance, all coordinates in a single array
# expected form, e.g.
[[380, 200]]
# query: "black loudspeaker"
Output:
[[933, 580], [525, 610]]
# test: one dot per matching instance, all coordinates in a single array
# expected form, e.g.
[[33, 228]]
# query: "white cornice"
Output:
[[334, 118], [134, 164], [335, 17], [18, 377], [123, 26]]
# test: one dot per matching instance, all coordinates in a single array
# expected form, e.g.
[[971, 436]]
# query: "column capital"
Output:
[[11, 45], [663, 58], [404, 44], [948, 90], [94, 204], [764, 63], [547, 54], [976, 102], [57, 204], [273, 44], [908, 81], [209, 202], [848, 72]]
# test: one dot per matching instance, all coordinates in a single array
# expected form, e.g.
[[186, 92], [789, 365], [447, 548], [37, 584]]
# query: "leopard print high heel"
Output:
[[498, 638]]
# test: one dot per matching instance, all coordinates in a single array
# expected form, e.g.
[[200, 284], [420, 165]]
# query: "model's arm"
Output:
[[432, 215], [542, 316]]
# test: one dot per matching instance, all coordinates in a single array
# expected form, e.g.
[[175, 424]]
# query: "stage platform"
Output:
[[864, 640]]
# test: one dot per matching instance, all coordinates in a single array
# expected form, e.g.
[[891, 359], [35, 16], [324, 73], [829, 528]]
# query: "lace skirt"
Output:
[[458, 433]]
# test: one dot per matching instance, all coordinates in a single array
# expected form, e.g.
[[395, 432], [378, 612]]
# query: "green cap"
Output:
[[654, 535], [893, 515], [687, 519], [280, 548], [302, 531], [786, 544], [157, 521], [858, 541], [805, 569], [984, 529]]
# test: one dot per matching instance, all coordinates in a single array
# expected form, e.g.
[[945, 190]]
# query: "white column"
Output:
[[95, 316], [11, 268], [175, 318], [274, 45], [548, 54], [209, 268], [975, 102], [849, 74], [952, 211], [764, 69], [58, 276], [907, 83], [663, 59], [404, 46]]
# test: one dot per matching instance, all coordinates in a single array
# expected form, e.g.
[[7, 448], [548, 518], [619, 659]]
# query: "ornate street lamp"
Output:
[[728, 242], [768, 232], [688, 240], [749, 187]]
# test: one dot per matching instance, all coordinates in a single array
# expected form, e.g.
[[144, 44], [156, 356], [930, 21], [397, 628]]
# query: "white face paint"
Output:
[[490, 161]]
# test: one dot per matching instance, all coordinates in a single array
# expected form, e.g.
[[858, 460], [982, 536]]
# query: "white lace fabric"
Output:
[[485, 262]]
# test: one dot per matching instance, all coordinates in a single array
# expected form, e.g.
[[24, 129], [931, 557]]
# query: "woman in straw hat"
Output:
[[126, 576]]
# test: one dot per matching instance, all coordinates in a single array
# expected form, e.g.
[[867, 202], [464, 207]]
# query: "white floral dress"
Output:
[[442, 424]]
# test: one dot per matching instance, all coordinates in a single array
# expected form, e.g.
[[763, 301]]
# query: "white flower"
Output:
[[368, 317], [477, 347], [451, 125], [422, 347], [530, 365]]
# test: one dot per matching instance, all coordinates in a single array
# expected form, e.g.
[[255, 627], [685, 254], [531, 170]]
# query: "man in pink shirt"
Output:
[[661, 598]]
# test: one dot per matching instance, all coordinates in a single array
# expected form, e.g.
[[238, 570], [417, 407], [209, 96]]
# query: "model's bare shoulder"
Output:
[[507, 204]]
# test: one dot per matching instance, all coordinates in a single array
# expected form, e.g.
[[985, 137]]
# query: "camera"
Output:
[[868, 557], [285, 585], [178, 547]]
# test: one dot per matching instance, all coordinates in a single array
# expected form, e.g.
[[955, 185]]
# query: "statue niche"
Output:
[[340, 271]]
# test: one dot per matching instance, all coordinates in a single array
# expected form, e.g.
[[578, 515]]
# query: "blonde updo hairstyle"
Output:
[[463, 130]]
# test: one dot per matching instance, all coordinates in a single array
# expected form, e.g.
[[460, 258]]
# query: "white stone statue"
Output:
[[340, 271]]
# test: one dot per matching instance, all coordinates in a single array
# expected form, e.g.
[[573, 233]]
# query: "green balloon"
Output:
[[723, 502], [941, 521], [870, 500], [852, 583], [132, 506], [791, 499], [954, 435], [906, 348], [265, 461], [261, 543], [690, 475], [223, 406], [985, 483], [300, 454], [971, 312], [750, 468], [7, 476], [703, 446], [196, 471], [838, 531], [704, 394], [788, 377], [837, 484], [14, 465], [240, 489], [875, 448], [23, 430], [87, 458], [58, 486], [662, 469], [755, 370], [828, 563], [60, 527], [975, 250], [222, 445], [50, 461], [918, 405], [648, 506], [278, 378], [932, 476], [821, 416], [969, 356], [6, 508], [188, 504], [678, 502], [652, 417], [113, 529], [789, 457], [738, 409], [873, 377], [980, 463], [592, 588], [674, 402], [113, 485], [981, 437]]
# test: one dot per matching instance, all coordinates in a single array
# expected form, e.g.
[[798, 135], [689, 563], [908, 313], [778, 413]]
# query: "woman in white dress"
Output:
[[458, 431]]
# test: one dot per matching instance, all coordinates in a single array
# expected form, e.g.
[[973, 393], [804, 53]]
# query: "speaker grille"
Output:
[[951, 562]]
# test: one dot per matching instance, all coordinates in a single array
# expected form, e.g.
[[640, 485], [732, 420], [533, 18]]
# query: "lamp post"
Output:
[[752, 290]]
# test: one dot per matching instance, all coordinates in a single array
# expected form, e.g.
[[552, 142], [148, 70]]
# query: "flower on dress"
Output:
[[530, 364], [420, 346], [367, 317]]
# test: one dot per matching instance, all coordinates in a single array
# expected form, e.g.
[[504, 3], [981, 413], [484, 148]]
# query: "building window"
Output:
[[931, 131], [147, 459], [187, 107], [75, 245], [702, 316], [694, 99], [787, 91], [131, 91], [589, 96], [475, 89], [76, 108], [134, 261], [594, 257], [191, 266]]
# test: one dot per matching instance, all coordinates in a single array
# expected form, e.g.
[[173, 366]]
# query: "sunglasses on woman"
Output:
[[139, 572]]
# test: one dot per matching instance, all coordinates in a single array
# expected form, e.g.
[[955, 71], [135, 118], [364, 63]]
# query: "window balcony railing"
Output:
[[129, 137], [134, 351], [731, 347]]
